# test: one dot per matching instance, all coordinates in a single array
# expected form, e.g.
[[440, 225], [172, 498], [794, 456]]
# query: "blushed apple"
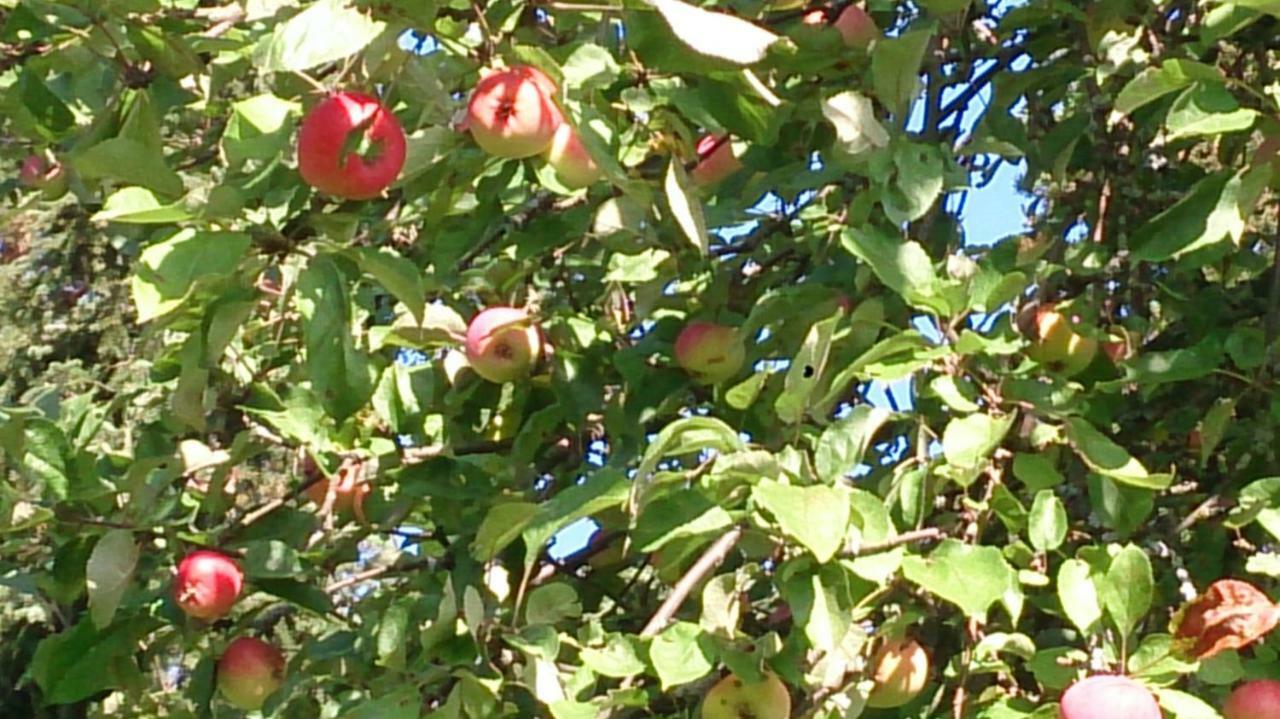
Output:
[[1108, 696], [716, 160], [207, 585], [249, 671], [574, 166], [1258, 699], [735, 698], [350, 146], [1058, 346], [856, 27], [900, 671], [38, 173], [512, 112], [503, 344], [710, 352]]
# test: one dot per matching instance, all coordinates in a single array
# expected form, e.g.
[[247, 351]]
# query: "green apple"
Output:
[[901, 669], [1058, 346], [734, 698]]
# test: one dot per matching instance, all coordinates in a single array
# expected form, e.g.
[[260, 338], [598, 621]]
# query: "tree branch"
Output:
[[917, 535], [714, 555]]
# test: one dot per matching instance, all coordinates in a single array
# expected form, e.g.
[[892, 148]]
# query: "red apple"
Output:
[[1108, 696], [40, 174], [901, 670], [856, 27], [716, 160], [249, 671], [502, 344], [513, 113], [1258, 699], [33, 169], [573, 164], [207, 585], [350, 146], [710, 352]]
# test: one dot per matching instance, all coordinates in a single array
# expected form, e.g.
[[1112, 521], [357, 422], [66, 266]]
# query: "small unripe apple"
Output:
[[503, 344], [249, 671], [734, 698], [716, 160], [1058, 346], [1258, 699], [350, 146], [901, 669], [710, 352], [573, 164], [207, 585], [512, 112], [856, 27], [1108, 696]]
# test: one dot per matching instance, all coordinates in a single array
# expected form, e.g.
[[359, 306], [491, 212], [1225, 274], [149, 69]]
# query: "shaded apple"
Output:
[[1258, 699], [856, 27], [249, 671], [1108, 696], [512, 112], [502, 344], [574, 166], [208, 584], [716, 160], [900, 671], [710, 352], [735, 698], [350, 146], [1056, 344]]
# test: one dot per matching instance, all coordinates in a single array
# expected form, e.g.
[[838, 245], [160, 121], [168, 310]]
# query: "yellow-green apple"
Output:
[[1258, 699], [512, 112], [38, 173], [574, 166], [900, 671], [1108, 696], [350, 146], [734, 698], [1057, 345], [710, 352], [249, 671], [716, 160], [856, 27], [503, 344], [208, 584]]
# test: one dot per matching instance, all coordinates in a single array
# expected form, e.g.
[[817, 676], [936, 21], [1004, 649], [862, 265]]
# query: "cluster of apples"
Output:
[[207, 587], [1110, 696]]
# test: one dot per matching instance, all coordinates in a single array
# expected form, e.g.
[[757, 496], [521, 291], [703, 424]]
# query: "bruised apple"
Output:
[[350, 146], [1108, 696], [710, 352], [249, 671], [734, 698], [512, 112], [503, 344], [207, 585], [1259, 699], [1056, 344], [573, 164], [901, 669], [716, 160]]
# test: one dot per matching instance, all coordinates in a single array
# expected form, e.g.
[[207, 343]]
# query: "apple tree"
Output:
[[546, 358]]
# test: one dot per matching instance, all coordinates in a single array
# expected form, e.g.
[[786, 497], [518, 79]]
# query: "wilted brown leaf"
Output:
[[1230, 614]]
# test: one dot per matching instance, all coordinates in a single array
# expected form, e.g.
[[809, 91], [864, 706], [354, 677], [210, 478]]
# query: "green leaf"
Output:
[[677, 655], [895, 69], [552, 603], [138, 205], [681, 514], [1154, 83], [854, 117], [715, 34], [1258, 501], [129, 162], [959, 395], [972, 578], [871, 524], [108, 573], [1047, 523], [903, 266], [340, 374], [681, 437], [606, 488], [636, 269], [398, 275], [1126, 590], [1181, 705], [815, 516], [806, 371], [326, 31], [82, 661], [1079, 595], [1036, 471], [721, 605], [1216, 208], [685, 206], [502, 524], [168, 272], [392, 636], [618, 658], [260, 128], [1207, 109], [844, 443], [1110, 459], [303, 594], [917, 184], [968, 441], [272, 559]]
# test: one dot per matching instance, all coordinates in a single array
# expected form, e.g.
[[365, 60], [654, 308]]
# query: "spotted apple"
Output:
[[734, 698], [710, 352], [503, 344]]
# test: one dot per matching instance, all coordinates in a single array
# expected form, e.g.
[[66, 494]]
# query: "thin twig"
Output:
[[714, 555], [916, 535]]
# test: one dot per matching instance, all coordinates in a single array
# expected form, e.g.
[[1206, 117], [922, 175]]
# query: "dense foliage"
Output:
[[201, 351]]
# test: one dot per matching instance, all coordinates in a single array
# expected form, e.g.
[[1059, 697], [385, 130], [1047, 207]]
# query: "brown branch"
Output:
[[714, 555], [917, 535]]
